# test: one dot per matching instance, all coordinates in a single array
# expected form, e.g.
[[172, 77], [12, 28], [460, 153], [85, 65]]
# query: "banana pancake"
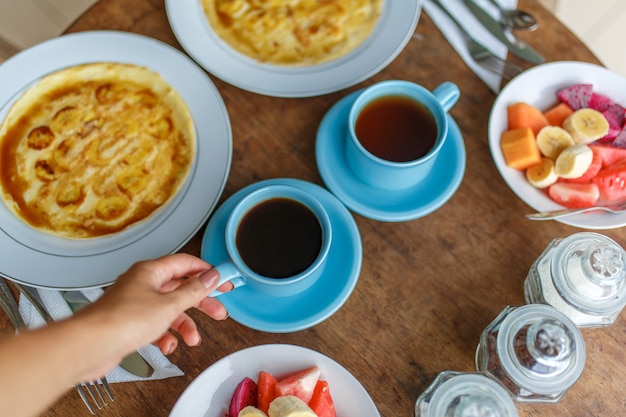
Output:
[[93, 149], [293, 32]]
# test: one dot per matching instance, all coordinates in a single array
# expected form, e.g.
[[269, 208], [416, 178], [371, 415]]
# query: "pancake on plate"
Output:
[[92, 149], [293, 32]]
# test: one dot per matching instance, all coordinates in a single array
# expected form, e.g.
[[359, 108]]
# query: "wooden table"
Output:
[[427, 287]]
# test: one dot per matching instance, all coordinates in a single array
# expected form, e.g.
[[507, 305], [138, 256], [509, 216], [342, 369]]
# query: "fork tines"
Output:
[[93, 393]]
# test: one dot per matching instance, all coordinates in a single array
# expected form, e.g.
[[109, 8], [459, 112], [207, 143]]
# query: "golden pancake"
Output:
[[93, 149], [293, 32]]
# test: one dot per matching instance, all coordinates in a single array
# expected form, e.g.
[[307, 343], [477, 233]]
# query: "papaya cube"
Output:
[[519, 148], [525, 115], [556, 115]]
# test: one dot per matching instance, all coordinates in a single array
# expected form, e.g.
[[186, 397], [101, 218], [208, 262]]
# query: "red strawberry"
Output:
[[576, 96], [572, 195]]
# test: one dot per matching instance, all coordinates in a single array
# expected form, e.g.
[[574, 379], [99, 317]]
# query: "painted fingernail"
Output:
[[209, 278]]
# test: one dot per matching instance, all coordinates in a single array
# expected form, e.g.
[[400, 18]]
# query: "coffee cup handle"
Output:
[[228, 272], [447, 93]]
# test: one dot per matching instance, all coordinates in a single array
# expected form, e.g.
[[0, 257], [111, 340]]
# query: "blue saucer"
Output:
[[289, 314], [385, 205]]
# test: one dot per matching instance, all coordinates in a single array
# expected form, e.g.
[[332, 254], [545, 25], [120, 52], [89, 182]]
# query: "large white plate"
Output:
[[538, 86], [393, 31], [42, 260], [209, 394]]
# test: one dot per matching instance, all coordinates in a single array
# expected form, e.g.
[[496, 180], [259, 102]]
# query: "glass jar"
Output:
[[583, 276], [535, 351], [458, 394]]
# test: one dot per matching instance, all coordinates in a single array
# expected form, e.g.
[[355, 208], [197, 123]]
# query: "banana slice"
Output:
[[289, 406], [586, 125], [543, 174], [574, 161], [250, 411], [551, 140]]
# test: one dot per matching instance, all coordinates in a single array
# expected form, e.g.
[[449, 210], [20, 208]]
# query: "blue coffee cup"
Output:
[[393, 175], [239, 273]]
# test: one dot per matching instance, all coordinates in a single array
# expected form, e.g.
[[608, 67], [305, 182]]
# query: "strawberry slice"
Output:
[[573, 195]]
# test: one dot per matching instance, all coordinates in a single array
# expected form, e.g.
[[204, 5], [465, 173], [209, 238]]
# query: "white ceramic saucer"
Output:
[[289, 314], [385, 205]]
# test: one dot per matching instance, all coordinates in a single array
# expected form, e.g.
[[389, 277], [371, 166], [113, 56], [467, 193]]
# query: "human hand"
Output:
[[151, 298]]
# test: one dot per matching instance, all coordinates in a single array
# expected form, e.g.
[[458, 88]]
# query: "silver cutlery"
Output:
[[133, 363], [86, 390], [480, 54], [516, 19], [614, 207], [518, 47], [8, 304]]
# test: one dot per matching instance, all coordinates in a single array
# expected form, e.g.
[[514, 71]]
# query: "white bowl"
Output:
[[538, 86], [209, 394]]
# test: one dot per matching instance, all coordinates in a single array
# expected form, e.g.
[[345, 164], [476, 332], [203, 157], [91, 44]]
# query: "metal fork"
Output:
[[480, 54], [91, 392], [614, 207]]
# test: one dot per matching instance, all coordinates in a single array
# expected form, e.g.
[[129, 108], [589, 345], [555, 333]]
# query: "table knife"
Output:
[[515, 45], [8, 304], [133, 363]]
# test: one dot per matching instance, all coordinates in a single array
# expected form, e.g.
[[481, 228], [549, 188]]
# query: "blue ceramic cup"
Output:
[[392, 175], [239, 273]]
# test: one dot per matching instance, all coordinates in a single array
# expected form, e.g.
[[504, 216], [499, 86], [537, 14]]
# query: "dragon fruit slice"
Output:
[[599, 102], [620, 139], [614, 114], [245, 394], [576, 96]]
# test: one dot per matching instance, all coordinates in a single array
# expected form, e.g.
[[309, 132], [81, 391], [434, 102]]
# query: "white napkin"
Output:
[[58, 309], [453, 34]]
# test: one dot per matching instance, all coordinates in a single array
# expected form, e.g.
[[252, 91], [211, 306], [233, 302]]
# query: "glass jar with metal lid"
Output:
[[535, 351], [459, 394], [583, 276]]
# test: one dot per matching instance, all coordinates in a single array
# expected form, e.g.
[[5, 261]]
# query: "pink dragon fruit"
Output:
[[599, 102], [576, 96]]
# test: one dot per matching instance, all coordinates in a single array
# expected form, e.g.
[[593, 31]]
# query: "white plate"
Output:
[[538, 86], [42, 260], [209, 394], [392, 33]]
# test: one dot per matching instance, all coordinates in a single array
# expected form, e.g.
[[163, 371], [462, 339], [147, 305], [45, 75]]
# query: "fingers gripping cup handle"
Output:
[[228, 272], [447, 94]]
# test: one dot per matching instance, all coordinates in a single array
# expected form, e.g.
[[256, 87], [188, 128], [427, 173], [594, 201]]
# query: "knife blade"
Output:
[[9, 305], [506, 36], [134, 362]]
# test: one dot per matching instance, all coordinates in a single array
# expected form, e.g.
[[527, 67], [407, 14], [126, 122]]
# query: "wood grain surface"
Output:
[[427, 287]]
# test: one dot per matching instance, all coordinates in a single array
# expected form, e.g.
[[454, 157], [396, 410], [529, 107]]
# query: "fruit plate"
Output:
[[209, 394], [538, 86]]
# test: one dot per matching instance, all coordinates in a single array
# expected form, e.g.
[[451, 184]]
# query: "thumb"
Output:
[[196, 288]]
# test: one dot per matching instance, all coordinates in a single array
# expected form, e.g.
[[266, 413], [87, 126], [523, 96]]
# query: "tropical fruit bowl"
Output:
[[557, 136]]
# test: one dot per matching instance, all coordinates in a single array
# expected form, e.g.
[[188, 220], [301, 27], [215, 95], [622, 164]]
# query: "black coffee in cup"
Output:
[[279, 238], [396, 128]]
